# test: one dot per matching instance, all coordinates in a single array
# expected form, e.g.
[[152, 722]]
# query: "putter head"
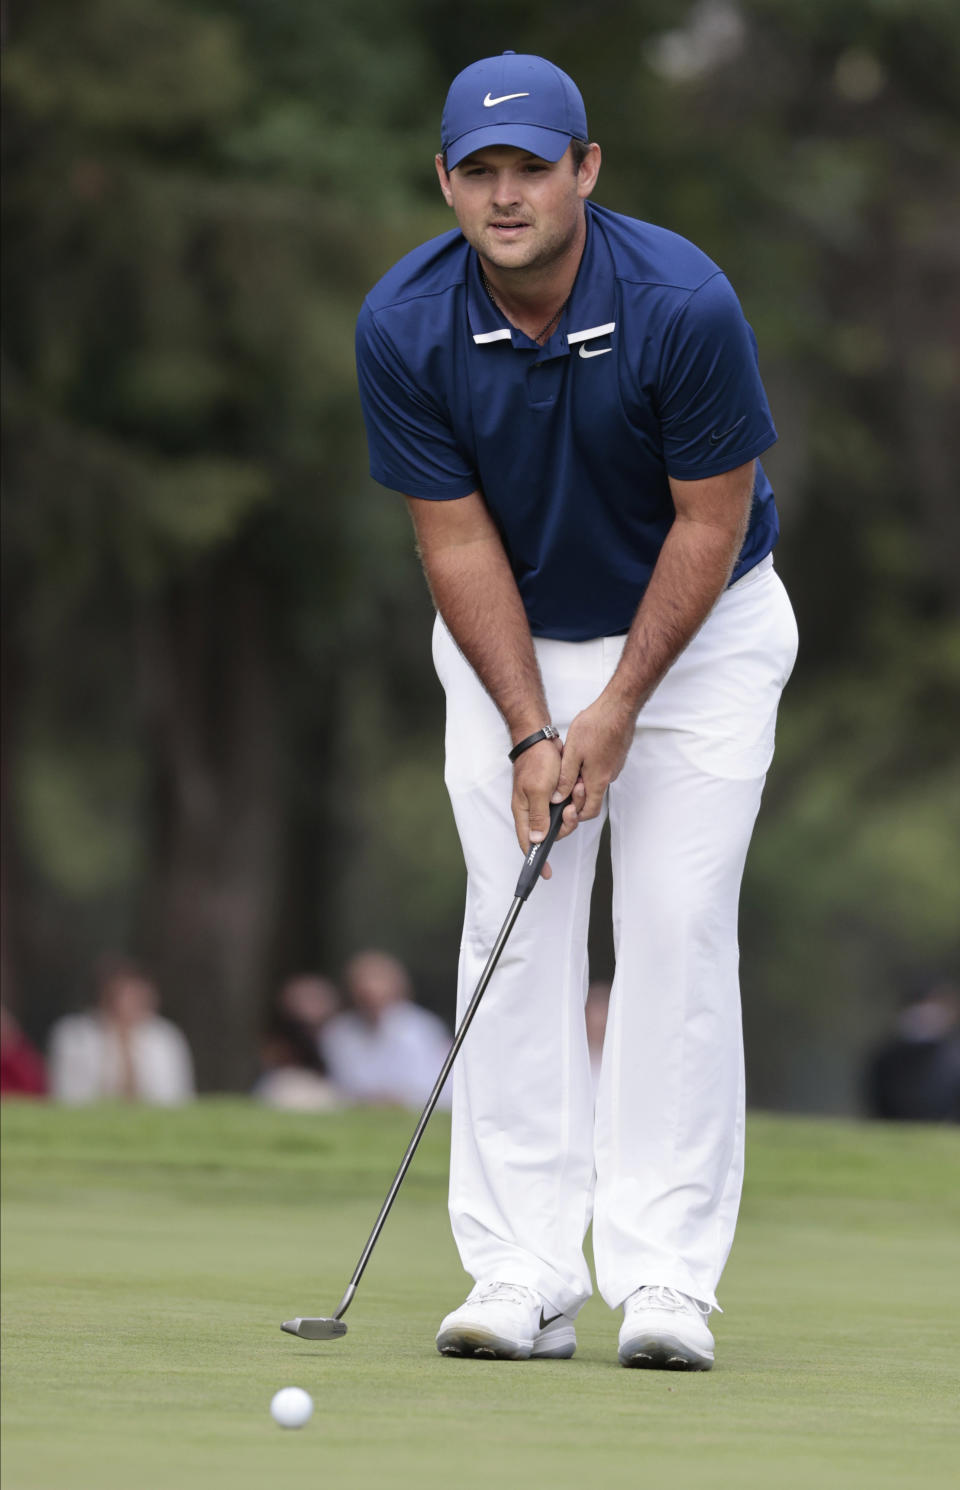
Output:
[[315, 1329]]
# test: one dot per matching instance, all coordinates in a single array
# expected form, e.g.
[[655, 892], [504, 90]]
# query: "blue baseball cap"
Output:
[[512, 100]]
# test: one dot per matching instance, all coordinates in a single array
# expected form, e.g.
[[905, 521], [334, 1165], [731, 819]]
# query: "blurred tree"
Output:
[[221, 729], [177, 366]]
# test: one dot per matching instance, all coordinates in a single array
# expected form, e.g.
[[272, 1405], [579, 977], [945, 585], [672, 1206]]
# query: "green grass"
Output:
[[149, 1258]]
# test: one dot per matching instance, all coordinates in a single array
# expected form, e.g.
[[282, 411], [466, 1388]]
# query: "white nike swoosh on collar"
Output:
[[592, 331], [491, 103]]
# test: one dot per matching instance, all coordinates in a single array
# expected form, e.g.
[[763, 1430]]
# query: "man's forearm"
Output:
[[476, 594], [693, 567], [691, 573]]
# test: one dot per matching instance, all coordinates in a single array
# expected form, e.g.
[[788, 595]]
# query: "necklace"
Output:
[[543, 331]]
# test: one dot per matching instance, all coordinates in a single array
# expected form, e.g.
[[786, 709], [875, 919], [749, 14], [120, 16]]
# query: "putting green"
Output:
[[149, 1258]]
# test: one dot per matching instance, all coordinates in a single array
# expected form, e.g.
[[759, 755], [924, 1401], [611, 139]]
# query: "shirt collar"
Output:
[[591, 311], [487, 324]]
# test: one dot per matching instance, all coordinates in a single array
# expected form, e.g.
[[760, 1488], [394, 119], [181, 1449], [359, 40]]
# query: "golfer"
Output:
[[569, 399]]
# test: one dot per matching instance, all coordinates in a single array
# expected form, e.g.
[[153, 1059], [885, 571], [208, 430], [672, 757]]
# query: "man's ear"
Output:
[[589, 171], [444, 178]]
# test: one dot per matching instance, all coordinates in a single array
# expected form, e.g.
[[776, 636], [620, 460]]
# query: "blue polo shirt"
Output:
[[651, 371]]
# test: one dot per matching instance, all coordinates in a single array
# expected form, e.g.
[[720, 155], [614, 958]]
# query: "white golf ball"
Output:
[[291, 1407]]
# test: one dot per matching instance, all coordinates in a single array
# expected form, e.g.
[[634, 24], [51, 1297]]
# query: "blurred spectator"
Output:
[[596, 1011], [22, 1072], [385, 1048], [309, 1000], [292, 1074], [122, 1048], [915, 1075]]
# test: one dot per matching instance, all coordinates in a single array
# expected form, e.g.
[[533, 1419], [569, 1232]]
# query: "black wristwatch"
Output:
[[549, 732]]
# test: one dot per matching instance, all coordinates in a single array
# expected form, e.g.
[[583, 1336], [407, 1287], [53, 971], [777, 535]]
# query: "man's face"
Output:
[[375, 981], [518, 211], [128, 1000]]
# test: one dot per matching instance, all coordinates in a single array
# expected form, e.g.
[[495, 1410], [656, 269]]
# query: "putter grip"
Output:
[[537, 856]]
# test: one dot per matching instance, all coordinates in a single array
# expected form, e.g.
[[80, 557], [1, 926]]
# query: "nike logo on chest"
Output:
[[582, 339]]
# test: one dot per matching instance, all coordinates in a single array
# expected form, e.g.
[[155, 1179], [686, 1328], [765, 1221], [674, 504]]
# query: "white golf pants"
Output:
[[657, 1160]]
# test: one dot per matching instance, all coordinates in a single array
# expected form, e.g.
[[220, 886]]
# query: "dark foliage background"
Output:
[[221, 732]]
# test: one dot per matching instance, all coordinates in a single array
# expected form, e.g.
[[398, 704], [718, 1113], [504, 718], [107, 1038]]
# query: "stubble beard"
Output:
[[539, 256]]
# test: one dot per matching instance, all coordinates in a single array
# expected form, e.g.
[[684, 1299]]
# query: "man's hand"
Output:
[[535, 776], [594, 752]]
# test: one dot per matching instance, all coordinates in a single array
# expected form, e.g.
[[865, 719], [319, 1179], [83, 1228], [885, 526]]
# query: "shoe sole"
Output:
[[661, 1353], [483, 1345], [559, 1345]]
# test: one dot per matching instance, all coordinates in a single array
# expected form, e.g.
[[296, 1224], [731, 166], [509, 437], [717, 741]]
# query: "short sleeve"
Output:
[[412, 446], [713, 410]]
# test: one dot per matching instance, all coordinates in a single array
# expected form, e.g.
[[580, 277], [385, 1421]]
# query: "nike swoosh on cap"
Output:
[[717, 435], [491, 103]]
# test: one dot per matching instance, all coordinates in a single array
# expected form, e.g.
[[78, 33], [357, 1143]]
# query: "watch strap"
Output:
[[549, 732]]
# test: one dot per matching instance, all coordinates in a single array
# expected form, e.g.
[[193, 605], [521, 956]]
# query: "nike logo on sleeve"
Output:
[[717, 435], [491, 103]]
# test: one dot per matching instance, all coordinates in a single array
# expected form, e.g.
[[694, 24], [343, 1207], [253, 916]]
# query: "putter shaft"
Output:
[[330, 1327]]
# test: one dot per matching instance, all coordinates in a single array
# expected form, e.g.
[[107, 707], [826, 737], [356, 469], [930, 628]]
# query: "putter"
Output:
[[332, 1326]]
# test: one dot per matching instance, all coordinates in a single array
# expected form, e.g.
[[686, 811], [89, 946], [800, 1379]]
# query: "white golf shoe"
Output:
[[665, 1330], [507, 1322]]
